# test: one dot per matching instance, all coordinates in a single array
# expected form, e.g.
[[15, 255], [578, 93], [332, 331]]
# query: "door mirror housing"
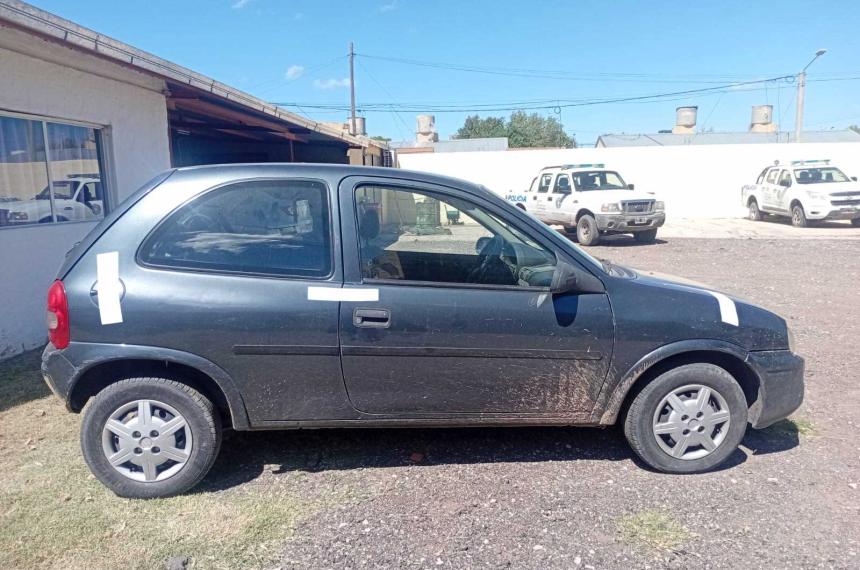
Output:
[[785, 183], [854, 178], [570, 279], [631, 186]]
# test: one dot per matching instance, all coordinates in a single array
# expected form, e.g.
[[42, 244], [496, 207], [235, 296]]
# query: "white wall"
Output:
[[695, 181], [57, 82]]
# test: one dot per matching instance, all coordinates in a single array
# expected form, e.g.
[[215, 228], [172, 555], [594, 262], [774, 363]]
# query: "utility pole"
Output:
[[801, 89], [351, 90]]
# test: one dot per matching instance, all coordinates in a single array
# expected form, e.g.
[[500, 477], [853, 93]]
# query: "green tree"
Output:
[[523, 130], [380, 138]]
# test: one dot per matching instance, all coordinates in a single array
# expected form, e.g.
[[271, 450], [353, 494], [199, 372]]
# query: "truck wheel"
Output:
[[150, 437], [798, 217], [687, 420], [856, 222], [586, 231], [754, 213], [647, 236]]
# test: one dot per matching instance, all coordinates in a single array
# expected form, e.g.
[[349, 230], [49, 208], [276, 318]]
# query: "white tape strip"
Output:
[[728, 309], [338, 294], [109, 287]]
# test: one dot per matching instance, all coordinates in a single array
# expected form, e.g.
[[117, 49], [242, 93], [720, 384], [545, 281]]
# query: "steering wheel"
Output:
[[492, 270]]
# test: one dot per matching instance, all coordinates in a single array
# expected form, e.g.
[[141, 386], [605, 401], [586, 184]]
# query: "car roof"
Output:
[[574, 167]]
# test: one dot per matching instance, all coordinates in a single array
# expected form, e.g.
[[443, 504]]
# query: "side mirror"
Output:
[[570, 279], [631, 186], [785, 183], [854, 178]]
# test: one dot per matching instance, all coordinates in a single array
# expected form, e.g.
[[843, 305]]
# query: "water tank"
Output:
[[360, 127], [685, 119], [762, 119], [425, 129]]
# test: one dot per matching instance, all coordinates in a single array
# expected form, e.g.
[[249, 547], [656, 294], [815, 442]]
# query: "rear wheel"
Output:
[[587, 232], [754, 212], [798, 216], [647, 236], [150, 437], [687, 420]]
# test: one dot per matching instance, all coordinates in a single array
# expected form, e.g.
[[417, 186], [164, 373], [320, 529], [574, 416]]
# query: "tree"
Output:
[[523, 130], [380, 138]]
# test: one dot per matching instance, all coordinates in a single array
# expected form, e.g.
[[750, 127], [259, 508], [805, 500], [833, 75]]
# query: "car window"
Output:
[[598, 180], [760, 178], [785, 176], [417, 236], [771, 176], [545, 180], [819, 175], [562, 184], [278, 227]]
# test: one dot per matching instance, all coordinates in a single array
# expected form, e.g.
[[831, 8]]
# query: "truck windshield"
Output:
[[598, 180], [819, 175]]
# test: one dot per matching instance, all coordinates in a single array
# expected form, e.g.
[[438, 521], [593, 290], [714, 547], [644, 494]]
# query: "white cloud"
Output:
[[295, 71], [388, 7], [239, 4], [327, 84]]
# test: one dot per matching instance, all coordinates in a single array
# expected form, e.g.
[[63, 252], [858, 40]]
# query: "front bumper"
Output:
[[781, 386], [827, 211], [630, 222]]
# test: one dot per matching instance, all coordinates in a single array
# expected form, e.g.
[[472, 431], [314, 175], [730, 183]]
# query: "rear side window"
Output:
[[545, 180], [276, 227], [771, 176]]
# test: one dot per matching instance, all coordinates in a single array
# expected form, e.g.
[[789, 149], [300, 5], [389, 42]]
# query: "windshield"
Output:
[[819, 175], [598, 180]]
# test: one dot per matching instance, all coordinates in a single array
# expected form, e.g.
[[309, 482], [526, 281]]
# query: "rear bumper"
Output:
[[781, 389], [630, 222], [57, 372]]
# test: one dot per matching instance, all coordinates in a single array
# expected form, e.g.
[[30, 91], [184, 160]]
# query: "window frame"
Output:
[[334, 242], [438, 193], [775, 172], [546, 188], [104, 157]]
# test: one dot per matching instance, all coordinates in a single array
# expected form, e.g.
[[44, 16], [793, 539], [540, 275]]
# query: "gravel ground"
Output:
[[575, 498]]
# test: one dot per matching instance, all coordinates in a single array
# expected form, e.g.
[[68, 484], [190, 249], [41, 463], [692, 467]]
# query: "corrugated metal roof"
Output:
[[671, 139]]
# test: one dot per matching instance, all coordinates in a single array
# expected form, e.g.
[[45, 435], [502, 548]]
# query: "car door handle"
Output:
[[371, 318], [549, 198]]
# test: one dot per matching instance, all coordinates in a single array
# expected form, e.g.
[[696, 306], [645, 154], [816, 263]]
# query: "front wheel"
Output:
[[587, 232], [687, 420], [798, 217], [647, 236], [150, 437]]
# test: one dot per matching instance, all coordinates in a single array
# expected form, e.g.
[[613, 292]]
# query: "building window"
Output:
[[49, 172]]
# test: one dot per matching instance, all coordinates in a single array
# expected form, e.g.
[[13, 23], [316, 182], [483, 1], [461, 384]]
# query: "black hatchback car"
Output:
[[310, 296]]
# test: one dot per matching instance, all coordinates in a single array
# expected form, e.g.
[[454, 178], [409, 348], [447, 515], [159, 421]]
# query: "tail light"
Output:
[[58, 315]]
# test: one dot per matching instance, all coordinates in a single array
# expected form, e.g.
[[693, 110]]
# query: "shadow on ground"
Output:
[[244, 455], [21, 381], [618, 240]]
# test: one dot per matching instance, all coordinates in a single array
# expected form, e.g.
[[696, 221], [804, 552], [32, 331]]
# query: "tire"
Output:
[[650, 408], [754, 212], [856, 222], [168, 400], [798, 217], [586, 230], [647, 236]]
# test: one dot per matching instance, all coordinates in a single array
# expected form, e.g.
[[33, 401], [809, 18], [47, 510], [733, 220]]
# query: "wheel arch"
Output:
[[731, 358], [193, 371], [583, 212]]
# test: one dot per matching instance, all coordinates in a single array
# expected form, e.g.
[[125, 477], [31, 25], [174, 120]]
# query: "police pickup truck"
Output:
[[592, 201], [805, 190]]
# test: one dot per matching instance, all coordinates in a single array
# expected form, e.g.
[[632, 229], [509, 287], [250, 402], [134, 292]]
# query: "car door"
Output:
[[769, 190], [542, 198], [459, 320], [781, 190], [561, 195]]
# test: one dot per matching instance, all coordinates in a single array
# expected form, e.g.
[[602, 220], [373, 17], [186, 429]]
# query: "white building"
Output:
[[86, 119]]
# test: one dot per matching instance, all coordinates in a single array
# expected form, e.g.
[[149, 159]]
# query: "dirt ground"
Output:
[[497, 498]]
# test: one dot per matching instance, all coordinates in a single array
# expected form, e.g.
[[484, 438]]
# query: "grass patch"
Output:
[[653, 529], [792, 427], [55, 514]]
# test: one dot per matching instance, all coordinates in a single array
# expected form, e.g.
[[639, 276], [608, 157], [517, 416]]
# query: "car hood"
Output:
[[833, 187], [619, 195], [674, 308]]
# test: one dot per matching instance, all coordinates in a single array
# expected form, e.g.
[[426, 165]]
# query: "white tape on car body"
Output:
[[728, 309], [109, 287], [338, 294]]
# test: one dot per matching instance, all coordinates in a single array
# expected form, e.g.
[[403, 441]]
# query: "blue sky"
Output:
[[294, 51]]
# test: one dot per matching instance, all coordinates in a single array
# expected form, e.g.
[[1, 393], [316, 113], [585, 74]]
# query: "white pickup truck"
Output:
[[805, 190], [75, 199], [592, 201]]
